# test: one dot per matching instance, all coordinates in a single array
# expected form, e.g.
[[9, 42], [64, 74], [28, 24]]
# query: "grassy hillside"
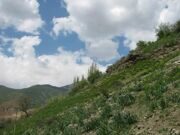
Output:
[[39, 94], [140, 94]]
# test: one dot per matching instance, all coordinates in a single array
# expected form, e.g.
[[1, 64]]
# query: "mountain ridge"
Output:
[[44, 92]]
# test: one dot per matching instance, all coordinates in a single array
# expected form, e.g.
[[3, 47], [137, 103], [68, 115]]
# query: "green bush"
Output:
[[177, 27], [93, 73], [94, 76], [104, 129], [160, 103], [122, 119], [106, 112], [125, 99], [141, 45], [175, 98], [156, 91], [153, 105], [163, 103], [79, 84], [93, 124], [136, 87], [104, 93], [164, 30]]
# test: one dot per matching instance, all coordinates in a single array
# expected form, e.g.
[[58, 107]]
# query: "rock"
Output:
[[148, 116], [140, 127], [174, 132], [177, 132]]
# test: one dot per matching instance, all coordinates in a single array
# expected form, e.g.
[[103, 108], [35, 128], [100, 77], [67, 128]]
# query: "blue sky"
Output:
[[50, 9], [52, 41], [49, 44]]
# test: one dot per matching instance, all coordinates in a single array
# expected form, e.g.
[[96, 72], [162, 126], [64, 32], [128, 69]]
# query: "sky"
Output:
[[52, 41]]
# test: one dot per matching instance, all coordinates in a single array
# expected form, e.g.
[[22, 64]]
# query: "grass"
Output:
[[112, 105]]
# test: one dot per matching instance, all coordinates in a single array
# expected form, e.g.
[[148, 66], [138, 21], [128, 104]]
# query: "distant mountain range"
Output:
[[39, 94]]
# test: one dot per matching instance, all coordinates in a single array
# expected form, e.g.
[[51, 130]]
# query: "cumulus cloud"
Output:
[[103, 50], [20, 67], [24, 69], [170, 14], [24, 47], [23, 15], [100, 21], [97, 23]]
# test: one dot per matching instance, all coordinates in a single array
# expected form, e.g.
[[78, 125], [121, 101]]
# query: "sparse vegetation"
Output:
[[93, 75], [139, 94], [24, 104]]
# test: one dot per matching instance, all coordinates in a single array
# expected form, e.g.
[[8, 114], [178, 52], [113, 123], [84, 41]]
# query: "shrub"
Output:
[[125, 99], [137, 87], [122, 119], [177, 27], [153, 105], [156, 91], [163, 103], [164, 30], [93, 73], [79, 84], [106, 112], [175, 98], [141, 45], [101, 101], [160, 103], [104, 93], [80, 113], [104, 129], [94, 76], [71, 131], [91, 125]]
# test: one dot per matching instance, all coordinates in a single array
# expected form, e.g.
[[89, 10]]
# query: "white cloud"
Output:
[[23, 15], [65, 23], [171, 13], [24, 47], [103, 50], [23, 69], [99, 21]]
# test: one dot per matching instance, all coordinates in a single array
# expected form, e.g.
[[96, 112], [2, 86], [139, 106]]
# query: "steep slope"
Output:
[[140, 94]]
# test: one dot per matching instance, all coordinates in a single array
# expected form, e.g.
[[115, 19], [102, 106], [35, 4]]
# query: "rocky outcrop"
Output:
[[125, 62], [135, 56]]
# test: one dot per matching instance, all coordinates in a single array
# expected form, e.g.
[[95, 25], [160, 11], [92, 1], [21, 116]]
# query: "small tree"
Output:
[[163, 30], [105, 93], [76, 81], [93, 73], [141, 44], [177, 27], [79, 84], [24, 104]]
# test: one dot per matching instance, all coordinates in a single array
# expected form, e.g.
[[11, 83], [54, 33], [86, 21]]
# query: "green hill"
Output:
[[7, 94], [140, 94], [39, 94]]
